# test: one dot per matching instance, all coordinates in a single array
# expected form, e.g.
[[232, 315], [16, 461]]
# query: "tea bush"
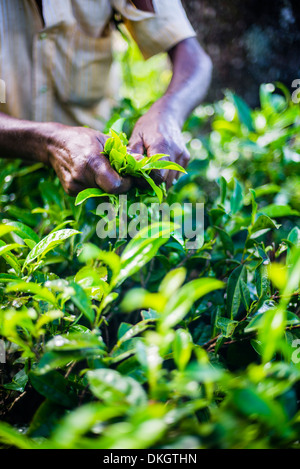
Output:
[[144, 343]]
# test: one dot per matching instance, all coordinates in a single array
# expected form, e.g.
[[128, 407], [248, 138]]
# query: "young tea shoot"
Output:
[[127, 165]]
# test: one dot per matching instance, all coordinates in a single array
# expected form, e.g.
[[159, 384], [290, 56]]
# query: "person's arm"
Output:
[[159, 130], [73, 152]]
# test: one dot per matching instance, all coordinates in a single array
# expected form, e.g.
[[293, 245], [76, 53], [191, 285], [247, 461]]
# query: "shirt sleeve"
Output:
[[159, 31]]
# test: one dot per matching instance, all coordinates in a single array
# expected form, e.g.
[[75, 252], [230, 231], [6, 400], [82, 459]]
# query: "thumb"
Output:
[[158, 175]]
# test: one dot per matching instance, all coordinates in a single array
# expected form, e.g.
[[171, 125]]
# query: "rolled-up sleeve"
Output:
[[159, 31]]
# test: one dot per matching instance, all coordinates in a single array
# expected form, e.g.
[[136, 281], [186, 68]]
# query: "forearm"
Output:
[[159, 130], [192, 70], [23, 139], [75, 153]]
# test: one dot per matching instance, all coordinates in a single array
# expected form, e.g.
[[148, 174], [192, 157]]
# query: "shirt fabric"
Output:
[[61, 71]]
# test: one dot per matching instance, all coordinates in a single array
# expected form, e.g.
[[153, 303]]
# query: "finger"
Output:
[[158, 175], [136, 146], [105, 177], [172, 178], [74, 188], [71, 186], [102, 138], [185, 158], [141, 183]]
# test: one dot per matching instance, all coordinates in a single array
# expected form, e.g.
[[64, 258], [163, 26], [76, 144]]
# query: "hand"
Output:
[[159, 132], [75, 155]]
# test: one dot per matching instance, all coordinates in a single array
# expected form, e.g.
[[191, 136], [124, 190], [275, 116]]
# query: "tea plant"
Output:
[[143, 343]]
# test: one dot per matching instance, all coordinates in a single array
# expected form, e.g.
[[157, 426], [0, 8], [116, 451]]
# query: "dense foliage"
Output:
[[142, 343]]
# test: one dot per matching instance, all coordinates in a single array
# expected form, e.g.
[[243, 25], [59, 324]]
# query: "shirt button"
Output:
[[43, 89], [43, 36]]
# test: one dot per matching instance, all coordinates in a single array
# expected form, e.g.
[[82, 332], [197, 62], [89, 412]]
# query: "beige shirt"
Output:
[[61, 71]]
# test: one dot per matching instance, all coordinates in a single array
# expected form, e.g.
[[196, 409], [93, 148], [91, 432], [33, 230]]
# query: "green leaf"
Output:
[[293, 280], [33, 288], [271, 332], [116, 159], [112, 260], [11, 259], [46, 318], [226, 240], [262, 282], [157, 190], [53, 360], [143, 247], [45, 419], [88, 252], [18, 383], [8, 278], [82, 301], [182, 348], [262, 225], [234, 297], [48, 243], [53, 386], [108, 145], [138, 298], [89, 275], [294, 236], [266, 189], [223, 189], [10, 247], [244, 111], [172, 282], [30, 243], [164, 165], [64, 349], [153, 158], [183, 300], [77, 423], [277, 211], [5, 229], [226, 326], [256, 320], [12, 437], [237, 199], [245, 294], [23, 231], [89, 193], [131, 331], [254, 406], [111, 387], [75, 341]]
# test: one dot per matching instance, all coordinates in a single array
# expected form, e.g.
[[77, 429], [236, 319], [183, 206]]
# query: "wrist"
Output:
[[43, 136], [27, 140], [169, 108]]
